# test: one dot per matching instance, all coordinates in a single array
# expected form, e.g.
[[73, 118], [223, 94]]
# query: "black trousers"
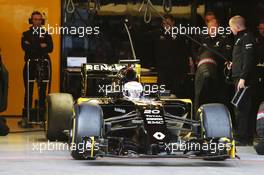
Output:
[[206, 85], [38, 71], [245, 116]]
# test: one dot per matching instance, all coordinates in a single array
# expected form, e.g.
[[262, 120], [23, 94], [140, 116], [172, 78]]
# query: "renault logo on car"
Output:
[[159, 135]]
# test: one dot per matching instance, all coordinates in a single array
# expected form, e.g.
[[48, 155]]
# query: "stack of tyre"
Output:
[[260, 130]]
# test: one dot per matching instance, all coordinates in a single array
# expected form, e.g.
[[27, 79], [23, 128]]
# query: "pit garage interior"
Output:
[[117, 32]]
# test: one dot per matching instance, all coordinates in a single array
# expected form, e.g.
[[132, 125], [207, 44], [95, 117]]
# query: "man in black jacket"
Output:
[[37, 46], [260, 62], [243, 73], [209, 81], [171, 58], [260, 43]]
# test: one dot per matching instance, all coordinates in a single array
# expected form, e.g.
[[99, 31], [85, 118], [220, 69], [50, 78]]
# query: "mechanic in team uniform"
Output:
[[260, 62], [243, 74], [210, 57], [260, 42], [208, 17], [172, 59], [259, 102], [36, 48]]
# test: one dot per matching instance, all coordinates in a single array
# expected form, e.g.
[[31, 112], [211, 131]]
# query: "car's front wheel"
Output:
[[86, 127], [216, 128]]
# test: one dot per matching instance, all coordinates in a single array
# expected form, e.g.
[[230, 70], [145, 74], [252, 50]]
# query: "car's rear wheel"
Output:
[[58, 116]]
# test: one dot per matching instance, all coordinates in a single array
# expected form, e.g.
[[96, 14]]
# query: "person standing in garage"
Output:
[[209, 75], [243, 73], [3, 85], [259, 98], [260, 62], [4, 129], [260, 42], [36, 48], [172, 59], [208, 17]]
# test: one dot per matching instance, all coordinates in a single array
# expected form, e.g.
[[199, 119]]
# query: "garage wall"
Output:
[[14, 16]]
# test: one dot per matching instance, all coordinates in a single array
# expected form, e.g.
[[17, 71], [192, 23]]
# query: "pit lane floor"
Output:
[[20, 154]]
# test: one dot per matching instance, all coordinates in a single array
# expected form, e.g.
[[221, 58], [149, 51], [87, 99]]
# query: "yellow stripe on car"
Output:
[[92, 146]]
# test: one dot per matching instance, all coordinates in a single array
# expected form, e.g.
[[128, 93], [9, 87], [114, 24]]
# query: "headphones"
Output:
[[37, 13]]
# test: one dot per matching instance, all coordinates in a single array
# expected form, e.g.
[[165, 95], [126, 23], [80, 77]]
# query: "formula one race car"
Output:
[[129, 122]]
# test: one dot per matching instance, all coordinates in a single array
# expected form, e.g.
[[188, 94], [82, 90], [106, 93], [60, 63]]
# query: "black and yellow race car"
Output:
[[129, 122]]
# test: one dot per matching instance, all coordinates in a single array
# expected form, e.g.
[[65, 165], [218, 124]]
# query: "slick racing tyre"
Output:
[[87, 126], [59, 114], [216, 126]]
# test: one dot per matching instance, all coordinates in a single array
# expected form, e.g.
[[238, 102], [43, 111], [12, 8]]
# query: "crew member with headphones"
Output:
[[37, 48]]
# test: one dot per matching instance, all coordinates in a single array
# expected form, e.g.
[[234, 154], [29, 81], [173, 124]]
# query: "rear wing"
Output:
[[105, 72]]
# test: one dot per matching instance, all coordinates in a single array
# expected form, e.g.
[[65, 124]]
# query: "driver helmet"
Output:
[[133, 90]]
